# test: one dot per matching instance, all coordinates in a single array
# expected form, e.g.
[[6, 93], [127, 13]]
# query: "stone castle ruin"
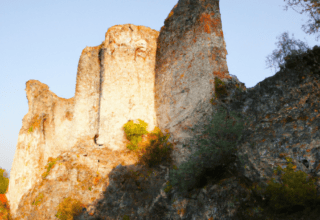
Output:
[[165, 79]]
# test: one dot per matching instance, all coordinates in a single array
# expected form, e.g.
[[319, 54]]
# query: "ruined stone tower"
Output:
[[115, 84], [191, 52], [166, 80]]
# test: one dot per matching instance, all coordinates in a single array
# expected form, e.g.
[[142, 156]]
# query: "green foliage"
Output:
[[38, 199], [221, 135], [287, 47], [295, 190], [155, 151], [68, 209], [312, 8], [125, 217], [50, 165], [4, 181], [31, 129], [168, 187], [5, 212], [220, 89], [134, 132]]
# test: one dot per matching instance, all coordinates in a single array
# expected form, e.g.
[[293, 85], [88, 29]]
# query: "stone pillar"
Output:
[[128, 60], [86, 110], [191, 52]]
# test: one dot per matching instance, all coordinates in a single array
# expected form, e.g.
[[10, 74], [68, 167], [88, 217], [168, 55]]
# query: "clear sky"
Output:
[[43, 40]]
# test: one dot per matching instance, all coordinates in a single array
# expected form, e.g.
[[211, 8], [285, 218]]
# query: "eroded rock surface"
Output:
[[127, 81], [283, 121], [115, 84], [191, 52], [45, 132]]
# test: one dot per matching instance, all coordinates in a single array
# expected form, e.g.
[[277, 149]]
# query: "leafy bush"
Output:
[[134, 132], [155, 150], [218, 141], [4, 212], [69, 208], [294, 191], [125, 217], [4, 181], [287, 47]]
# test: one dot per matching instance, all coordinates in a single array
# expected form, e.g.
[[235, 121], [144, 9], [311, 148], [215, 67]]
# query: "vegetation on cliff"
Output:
[[154, 150], [4, 206]]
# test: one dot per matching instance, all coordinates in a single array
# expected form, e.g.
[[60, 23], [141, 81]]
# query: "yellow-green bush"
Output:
[[134, 132], [168, 187], [5, 212], [51, 163], [220, 89], [294, 190], [69, 208], [155, 150], [125, 217], [38, 199], [4, 181]]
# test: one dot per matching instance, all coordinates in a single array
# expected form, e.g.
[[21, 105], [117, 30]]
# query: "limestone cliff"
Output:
[[115, 84], [191, 52], [75, 148]]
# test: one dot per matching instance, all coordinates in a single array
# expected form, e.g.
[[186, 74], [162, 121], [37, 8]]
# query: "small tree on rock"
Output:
[[286, 47]]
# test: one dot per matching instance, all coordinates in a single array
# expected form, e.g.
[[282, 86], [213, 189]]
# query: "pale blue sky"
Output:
[[43, 40]]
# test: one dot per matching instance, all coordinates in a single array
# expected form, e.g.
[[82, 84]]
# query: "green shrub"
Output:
[[125, 217], [157, 148], [50, 165], [168, 187], [68, 209], [4, 181], [134, 132], [5, 212], [220, 88], [38, 199], [213, 144], [294, 190]]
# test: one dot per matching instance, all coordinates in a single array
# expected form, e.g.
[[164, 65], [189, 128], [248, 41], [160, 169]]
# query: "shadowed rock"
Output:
[[191, 51]]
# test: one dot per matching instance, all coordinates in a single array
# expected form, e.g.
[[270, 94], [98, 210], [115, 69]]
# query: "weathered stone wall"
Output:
[[86, 110], [45, 132], [127, 74], [115, 84], [191, 51]]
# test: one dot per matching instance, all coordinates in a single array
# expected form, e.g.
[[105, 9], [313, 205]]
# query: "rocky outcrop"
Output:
[[46, 131], [74, 154], [127, 81], [115, 84], [191, 52]]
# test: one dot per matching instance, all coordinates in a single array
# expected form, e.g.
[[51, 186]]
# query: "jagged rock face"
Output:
[[283, 121], [191, 52], [127, 74], [284, 111], [115, 84], [45, 132]]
